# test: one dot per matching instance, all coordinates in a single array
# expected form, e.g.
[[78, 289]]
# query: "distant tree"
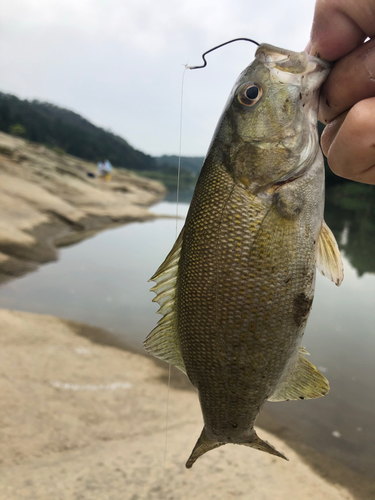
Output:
[[58, 150], [17, 129]]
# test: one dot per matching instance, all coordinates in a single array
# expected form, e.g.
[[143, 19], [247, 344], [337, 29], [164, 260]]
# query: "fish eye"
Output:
[[250, 94]]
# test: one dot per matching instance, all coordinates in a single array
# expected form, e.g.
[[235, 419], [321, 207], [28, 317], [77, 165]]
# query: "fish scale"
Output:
[[237, 287]]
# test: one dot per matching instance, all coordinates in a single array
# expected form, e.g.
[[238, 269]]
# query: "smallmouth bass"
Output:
[[237, 287]]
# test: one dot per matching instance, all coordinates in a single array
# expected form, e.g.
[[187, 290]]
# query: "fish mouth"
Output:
[[317, 71], [293, 68]]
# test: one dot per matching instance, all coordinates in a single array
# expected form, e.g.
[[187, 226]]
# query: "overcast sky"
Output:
[[119, 63]]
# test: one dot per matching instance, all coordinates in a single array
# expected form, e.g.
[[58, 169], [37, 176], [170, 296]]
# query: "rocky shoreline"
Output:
[[49, 199]]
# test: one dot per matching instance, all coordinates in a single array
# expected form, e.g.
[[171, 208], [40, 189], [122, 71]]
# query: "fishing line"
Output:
[[181, 108], [176, 234], [180, 145]]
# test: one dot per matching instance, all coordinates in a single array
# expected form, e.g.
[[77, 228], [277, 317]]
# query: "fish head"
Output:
[[268, 126]]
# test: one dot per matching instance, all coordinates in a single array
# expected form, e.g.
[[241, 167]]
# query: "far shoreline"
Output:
[[49, 200]]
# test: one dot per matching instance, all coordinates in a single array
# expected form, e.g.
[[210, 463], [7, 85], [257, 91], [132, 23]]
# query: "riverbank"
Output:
[[83, 417], [48, 199]]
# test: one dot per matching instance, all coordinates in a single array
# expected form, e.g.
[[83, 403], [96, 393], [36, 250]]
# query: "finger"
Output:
[[339, 27], [350, 143], [351, 80], [330, 132]]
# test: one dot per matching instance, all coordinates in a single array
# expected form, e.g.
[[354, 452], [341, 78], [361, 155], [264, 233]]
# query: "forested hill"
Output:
[[65, 130], [191, 163]]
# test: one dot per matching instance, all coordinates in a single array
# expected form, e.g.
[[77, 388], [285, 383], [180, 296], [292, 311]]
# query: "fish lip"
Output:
[[317, 70], [294, 68], [298, 62], [319, 62]]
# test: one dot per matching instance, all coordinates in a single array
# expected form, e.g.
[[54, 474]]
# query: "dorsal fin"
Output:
[[328, 259], [304, 381], [163, 341]]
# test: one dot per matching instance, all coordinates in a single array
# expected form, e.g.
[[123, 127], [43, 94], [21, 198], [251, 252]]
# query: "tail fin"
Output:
[[203, 446], [261, 445]]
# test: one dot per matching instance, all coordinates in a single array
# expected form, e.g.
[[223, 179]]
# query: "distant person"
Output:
[[104, 170], [101, 170], [107, 170]]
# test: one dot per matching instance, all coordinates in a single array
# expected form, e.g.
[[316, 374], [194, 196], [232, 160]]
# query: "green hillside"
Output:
[[63, 129], [192, 164], [68, 132]]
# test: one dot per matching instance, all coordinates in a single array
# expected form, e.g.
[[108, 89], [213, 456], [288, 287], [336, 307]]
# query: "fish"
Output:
[[237, 287]]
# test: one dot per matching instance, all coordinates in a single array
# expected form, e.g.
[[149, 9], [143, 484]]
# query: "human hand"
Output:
[[347, 102]]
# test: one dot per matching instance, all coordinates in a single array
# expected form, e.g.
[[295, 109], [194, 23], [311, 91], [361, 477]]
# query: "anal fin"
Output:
[[328, 259], [304, 381]]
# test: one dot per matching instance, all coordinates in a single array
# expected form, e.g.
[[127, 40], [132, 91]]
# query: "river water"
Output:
[[103, 281]]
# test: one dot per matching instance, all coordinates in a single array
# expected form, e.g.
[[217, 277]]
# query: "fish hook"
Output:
[[218, 47]]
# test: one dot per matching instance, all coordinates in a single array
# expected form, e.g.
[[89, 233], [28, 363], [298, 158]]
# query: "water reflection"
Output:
[[103, 280], [350, 213]]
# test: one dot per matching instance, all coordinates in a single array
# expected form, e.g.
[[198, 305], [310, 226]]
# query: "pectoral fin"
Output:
[[328, 259], [304, 381], [163, 341]]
